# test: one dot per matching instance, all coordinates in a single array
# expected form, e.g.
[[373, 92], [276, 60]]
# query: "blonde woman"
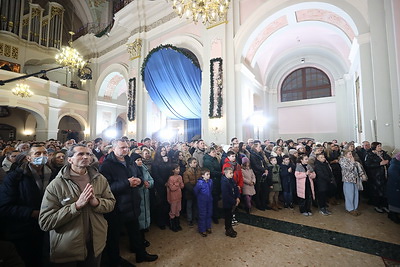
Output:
[[352, 177]]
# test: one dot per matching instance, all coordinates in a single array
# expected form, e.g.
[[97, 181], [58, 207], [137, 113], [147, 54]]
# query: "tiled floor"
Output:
[[283, 238]]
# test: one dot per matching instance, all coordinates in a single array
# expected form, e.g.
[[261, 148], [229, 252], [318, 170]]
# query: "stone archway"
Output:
[[7, 132], [70, 128]]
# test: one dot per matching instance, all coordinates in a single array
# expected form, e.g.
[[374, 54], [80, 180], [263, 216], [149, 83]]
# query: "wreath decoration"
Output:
[[216, 75]]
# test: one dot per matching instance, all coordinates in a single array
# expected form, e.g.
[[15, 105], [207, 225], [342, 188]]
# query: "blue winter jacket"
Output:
[[203, 190], [230, 192]]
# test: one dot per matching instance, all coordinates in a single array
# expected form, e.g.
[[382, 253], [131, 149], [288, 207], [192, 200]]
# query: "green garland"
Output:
[[218, 112], [131, 99], [168, 46]]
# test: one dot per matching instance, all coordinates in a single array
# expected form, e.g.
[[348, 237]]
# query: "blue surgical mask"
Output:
[[40, 160]]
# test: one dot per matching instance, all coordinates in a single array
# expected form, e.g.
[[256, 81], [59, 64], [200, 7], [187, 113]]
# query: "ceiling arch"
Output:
[[112, 81], [292, 27], [113, 85]]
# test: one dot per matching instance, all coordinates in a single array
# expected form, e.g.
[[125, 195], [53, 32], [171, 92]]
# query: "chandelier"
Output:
[[69, 57], [209, 11], [22, 90]]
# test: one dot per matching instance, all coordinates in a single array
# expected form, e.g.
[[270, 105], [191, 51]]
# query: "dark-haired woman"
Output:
[[160, 172], [376, 164]]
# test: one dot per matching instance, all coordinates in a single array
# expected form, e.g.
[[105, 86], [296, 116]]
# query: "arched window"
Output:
[[305, 83]]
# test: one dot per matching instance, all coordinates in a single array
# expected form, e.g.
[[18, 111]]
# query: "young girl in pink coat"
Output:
[[305, 185], [174, 197], [249, 180]]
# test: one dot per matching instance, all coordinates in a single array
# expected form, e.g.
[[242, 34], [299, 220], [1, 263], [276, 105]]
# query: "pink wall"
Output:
[[216, 48], [309, 119], [247, 7]]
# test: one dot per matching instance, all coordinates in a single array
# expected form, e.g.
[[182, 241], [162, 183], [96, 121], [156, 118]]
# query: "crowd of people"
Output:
[[68, 203]]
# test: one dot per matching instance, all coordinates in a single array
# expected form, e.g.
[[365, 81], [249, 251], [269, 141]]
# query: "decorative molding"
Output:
[[364, 38], [216, 82], [133, 32], [134, 49], [326, 16]]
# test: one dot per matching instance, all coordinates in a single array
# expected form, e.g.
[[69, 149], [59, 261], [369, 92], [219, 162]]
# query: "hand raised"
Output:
[[84, 197]]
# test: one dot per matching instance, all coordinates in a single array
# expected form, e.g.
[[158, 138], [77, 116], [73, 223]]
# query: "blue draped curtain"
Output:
[[193, 128], [174, 84]]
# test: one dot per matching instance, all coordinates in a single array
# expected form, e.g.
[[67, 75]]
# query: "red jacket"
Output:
[[237, 172]]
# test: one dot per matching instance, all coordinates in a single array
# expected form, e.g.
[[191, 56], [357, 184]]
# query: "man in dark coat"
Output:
[[123, 176], [260, 169], [366, 146], [97, 148], [20, 198], [324, 183]]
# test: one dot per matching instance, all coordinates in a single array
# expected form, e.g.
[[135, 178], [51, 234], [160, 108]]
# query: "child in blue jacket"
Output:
[[203, 192]]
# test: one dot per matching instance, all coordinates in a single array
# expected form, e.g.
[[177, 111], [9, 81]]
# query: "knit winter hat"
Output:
[[292, 151], [135, 156], [398, 156], [245, 159], [299, 146]]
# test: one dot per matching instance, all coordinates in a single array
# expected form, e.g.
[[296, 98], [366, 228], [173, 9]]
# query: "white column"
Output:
[[381, 73], [233, 90], [367, 93], [92, 106], [52, 123], [142, 97]]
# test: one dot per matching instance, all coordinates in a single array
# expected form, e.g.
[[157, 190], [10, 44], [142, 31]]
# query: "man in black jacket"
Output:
[[123, 176], [97, 148], [20, 198]]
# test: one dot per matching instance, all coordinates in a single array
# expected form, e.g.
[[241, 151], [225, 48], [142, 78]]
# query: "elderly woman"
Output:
[[376, 164], [393, 189]]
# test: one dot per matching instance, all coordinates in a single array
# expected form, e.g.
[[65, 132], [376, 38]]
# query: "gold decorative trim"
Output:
[[14, 52], [25, 22], [7, 50], [216, 24], [56, 11], [134, 49], [35, 12]]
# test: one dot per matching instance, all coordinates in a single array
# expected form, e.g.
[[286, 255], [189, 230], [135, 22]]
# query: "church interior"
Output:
[[262, 69]]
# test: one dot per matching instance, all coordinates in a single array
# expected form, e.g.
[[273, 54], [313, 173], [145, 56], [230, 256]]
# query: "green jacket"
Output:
[[58, 214]]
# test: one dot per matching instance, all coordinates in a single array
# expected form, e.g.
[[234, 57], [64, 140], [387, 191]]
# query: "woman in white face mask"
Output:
[[21, 211]]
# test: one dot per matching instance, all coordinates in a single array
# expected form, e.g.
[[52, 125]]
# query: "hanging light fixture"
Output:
[[69, 57], [22, 90], [208, 11]]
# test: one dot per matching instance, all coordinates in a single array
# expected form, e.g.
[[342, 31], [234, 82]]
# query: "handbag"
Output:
[[361, 176]]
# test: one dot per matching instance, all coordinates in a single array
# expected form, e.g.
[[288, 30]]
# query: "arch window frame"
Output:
[[314, 83]]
